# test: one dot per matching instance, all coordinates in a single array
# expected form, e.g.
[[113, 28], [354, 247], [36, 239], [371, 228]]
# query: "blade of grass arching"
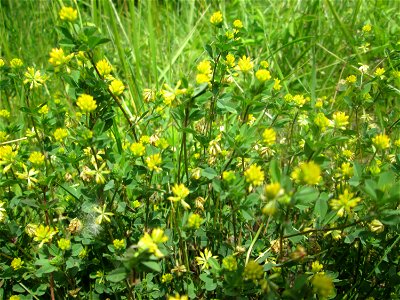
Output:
[[152, 44], [114, 34], [355, 13], [184, 43]]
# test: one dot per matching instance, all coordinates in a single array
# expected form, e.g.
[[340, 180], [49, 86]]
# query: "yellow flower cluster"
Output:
[[64, 244], [86, 103], [203, 259], [16, 263], [381, 141], [16, 63], [180, 192], [60, 134], [340, 120], [253, 271], [36, 158], [58, 57], [321, 121], [307, 173], [194, 221], [230, 60], [229, 263], [216, 18], [153, 162], [34, 78], [345, 203], [263, 75], [205, 72], [237, 24], [244, 64], [68, 14], [2, 63], [269, 136], [116, 87], [351, 79], [254, 175], [4, 113], [119, 244], [44, 234], [150, 242], [104, 67], [7, 157], [322, 285], [137, 149]]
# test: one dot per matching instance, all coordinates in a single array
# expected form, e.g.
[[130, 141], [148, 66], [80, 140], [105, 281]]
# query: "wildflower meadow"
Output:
[[240, 149]]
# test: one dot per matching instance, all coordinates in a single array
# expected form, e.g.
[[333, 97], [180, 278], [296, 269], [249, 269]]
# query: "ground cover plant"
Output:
[[198, 150]]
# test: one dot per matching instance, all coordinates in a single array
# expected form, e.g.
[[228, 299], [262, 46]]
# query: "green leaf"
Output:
[[152, 265], [321, 206], [275, 171], [117, 275], [209, 173]]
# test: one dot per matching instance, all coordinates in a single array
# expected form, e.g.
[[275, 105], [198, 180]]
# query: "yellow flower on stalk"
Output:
[[169, 94], [16, 63], [116, 87], [44, 234], [340, 120], [381, 141], [86, 103], [264, 64], [64, 244], [137, 149], [58, 58], [230, 60], [7, 157], [321, 121], [205, 72], [44, 110], [148, 243], [376, 226], [244, 64], [229, 263], [277, 85], [346, 169], [119, 244], [237, 24], [367, 28], [29, 176], [3, 212], [104, 215], [345, 203], [180, 192], [60, 134], [178, 297], [316, 267], [158, 236], [17, 263], [36, 158], [34, 78], [68, 14], [194, 221], [153, 162], [14, 297], [351, 79], [379, 72], [149, 95], [203, 259], [254, 175], [228, 176], [323, 285], [2, 63], [4, 113], [272, 190], [263, 75], [166, 278], [307, 173], [103, 67], [216, 18], [269, 136], [253, 271]]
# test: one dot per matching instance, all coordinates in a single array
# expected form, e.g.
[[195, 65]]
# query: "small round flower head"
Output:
[[367, 28], [237, 24], [345, 203], [166, 278], [269, 136], [86, 103], [254, 175], [272, 190], [316, 267], [64, 244], [253, 271], [68, 14], [203, 78], [119, 244], [263, 75], [277, 86], [16, 63], [2, 63], [58, 58], [244, 64], [216, 18], [36, 158], [137, 149], [230, 60], [16, 263], [379, 71], [4, 113], [307, 173], [153, 162], [44, 110], [340, 120], [376, 226], [351, 79], [381, 141], [14, 297], [229, 263], [104, 67], [116, 87], [264, 64], [322, 285], [60, 134], [321, 121]]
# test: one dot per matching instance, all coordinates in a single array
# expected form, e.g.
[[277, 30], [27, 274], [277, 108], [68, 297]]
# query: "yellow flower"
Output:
[[146, 243], [254, 175], [29, 176], [307, 173], [244, 64], [58, 58], [263, 75], [270, 208], [203, 78], [180, 192], [149, 95], [379, 71], [158, 236], [144, 139], [381, 141], [272, 190], [44, 110], [237, 24], [367, 28], [253, 271], [269, 136], [36, 158], [86, 103], [277, 85], [204, 67], [230, 60], [16, 63], [60, 134], [264, 64], [300, 100], [14, 297], [194, 221], [44, 234], [345, 203], [75, 226], [216, 18], [340, 120], [202, 260], [322, 285], [3, 212], [4, 113], [169, 94], [351, 79], [316, 267], [321, 121], [137, 149], [346, 169], [376, 226], [104, 67], [17, 263], [68, 14], [116, 87], [119, 244], [229, 263], [64, 244], [103, 214], [2, 63], [178, 297], [228, 176], [7, 157], [153, 162], [34, 78]]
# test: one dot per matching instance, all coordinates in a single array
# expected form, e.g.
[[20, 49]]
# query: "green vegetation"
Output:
[[199, 150]]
